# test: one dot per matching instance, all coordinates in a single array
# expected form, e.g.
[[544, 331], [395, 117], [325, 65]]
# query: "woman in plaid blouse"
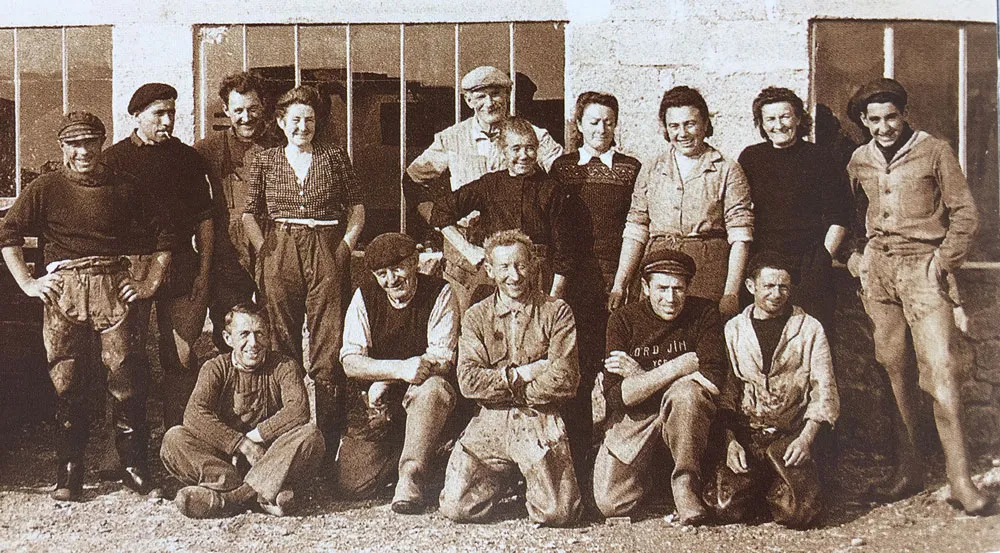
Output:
[[312, 199]]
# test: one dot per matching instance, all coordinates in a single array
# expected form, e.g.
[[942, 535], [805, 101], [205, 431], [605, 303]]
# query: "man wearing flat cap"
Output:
[[176, 174], [90, 217], [400, 337], [666, 363], [919, 228]]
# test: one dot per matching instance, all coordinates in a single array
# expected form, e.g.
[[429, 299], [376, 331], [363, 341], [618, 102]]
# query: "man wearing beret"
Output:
[[246, 437], [228, 154], [919, 228], [400, 337], [666, 363], [90, 217], [517, 359], [176, 174]]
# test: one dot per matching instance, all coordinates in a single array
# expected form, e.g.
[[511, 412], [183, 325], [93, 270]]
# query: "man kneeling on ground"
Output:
[[780, 394], [400, 337], [516, 358], [249, 405]]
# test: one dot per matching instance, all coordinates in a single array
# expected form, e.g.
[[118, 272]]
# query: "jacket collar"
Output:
[[707, 162], [751, 347]]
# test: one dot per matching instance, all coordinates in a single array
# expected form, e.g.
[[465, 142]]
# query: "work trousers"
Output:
[[366, 464], [792, 494], [291, 458], [89, 305], [683, 424], [305, 276], [501, 444], [232, 273]]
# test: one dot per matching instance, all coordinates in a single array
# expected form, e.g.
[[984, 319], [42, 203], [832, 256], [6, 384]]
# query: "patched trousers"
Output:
[[291, 458]]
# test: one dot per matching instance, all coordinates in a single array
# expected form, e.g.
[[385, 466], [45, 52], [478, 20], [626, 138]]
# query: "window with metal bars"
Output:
[[390, 86], [45, 72]]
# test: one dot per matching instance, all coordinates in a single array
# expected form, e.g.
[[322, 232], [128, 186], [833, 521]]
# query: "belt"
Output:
[[292, 222], [898, 245], [94, 264], [711, 235]]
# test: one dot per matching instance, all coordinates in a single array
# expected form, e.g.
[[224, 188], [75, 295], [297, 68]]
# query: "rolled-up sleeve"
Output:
[[637, 220], [357, 333], [738, 205], [432, 163], [442, 327]]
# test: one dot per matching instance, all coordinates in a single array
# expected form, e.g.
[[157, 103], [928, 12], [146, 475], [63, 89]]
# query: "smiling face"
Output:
[[156, 121], [490, 104], [245, 112], [298, 124], [667, 293], [399, 281], [81, 156], [780, 123], [885, 121], [686, 130], [520, 151], [597, 125], [771, 290], [511, 268], [248, 335]]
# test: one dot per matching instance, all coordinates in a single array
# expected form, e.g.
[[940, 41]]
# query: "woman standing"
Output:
[[691, 199], [802, 204], [599, 182], [312, 199]]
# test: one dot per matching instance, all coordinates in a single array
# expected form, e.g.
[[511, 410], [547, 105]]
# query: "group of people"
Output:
[[686, 300]]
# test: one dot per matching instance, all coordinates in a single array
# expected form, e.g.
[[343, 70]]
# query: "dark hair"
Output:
[[769, 259], [584, 100], [305, 95], [775, 95], [680, 96], [884, 98], [516, 125], [242, 83], [247, 308]]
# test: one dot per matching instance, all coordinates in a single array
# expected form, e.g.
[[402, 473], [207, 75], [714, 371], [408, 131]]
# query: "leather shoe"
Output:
[[282, 506], [69, 482], [200, 502], [407, 507]]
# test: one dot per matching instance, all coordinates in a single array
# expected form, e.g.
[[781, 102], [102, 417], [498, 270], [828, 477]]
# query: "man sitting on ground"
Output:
[[249, 405]]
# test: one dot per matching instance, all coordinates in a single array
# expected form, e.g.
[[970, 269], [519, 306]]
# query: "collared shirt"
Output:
[[606, 158], [920, 196], [714, 199], [328, 189], [442, 327], [800, 384], [498, 336], [468, 152]]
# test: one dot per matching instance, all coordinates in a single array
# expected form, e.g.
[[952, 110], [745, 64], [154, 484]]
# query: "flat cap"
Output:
[[484, 76], [149, 93], [859, 102], [389, 249], [80, 125], [666, 260]]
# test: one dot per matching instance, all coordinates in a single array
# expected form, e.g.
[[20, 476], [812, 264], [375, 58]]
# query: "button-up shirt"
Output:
[[499, 335], [712, 200], [468, 152], [921, 196], [800, 384], [328, 188]]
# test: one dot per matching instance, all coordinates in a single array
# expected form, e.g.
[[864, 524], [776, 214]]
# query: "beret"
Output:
[[666, 260], [389, 249], [484, 76], [859, 102], [149, 93], [80, 125]]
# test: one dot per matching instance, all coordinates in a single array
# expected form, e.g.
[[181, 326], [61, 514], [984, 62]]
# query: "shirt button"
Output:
[[677, 208], [302, 192], [885, 214], [887, 191]]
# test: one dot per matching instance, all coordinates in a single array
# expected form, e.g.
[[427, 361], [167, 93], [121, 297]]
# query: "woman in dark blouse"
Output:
[[802, 204], [312, 199], [599, 182]]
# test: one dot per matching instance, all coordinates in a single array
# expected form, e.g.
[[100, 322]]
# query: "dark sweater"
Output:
[[173, 171], [597, 202], [83, 214], [768, 333], [505, 202], [652, 341], [797, 193], [227, 402]]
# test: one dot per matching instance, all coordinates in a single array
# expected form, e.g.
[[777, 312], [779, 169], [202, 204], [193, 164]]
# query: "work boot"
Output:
[[282, 505], [201, 502], [69, 481], [408, 499], [690, 510]]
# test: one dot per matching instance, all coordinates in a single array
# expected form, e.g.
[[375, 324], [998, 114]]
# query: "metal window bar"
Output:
[[202, 84], [350, 97], [64, 69], [17, 115], [402, 125], [458, 80], [295, 49], [963, 97], [888, 53], [513, 88]]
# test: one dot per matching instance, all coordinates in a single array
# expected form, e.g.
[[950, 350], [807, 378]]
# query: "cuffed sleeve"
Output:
[[824, 399], [637, 220], [738, 205]]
